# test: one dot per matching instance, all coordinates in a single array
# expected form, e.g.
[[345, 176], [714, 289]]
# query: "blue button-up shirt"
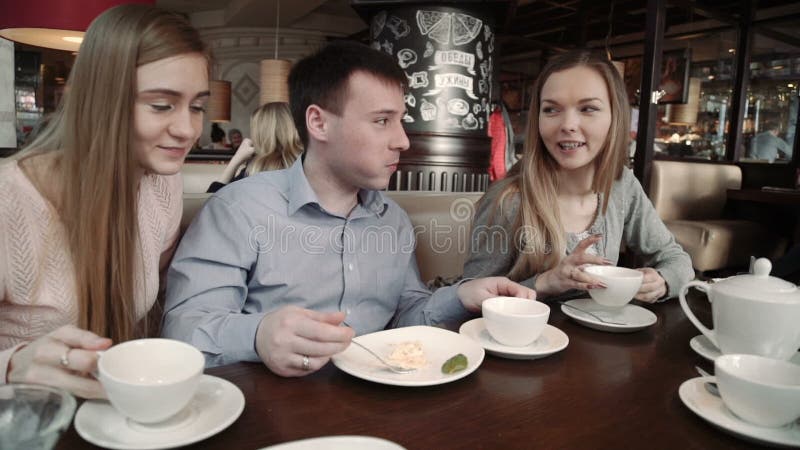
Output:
[[265, 242]]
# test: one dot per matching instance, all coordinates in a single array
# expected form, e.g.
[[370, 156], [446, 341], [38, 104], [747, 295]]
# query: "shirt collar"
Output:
[[300, 193]]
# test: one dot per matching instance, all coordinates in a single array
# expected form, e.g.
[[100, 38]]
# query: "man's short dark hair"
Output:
[[321, 79]]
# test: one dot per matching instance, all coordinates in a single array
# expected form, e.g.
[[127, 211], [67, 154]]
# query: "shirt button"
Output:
[[350, 266]]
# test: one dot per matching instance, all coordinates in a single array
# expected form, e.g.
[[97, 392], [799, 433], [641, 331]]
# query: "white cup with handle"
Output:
[[753, 314], [150, 380]]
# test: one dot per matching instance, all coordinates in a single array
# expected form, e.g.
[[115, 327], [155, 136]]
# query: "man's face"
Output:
[[365, 141], [236, 139]]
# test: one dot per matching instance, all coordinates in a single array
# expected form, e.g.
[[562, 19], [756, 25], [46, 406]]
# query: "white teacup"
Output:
[[760, 390], [513, 321], [621, 285], [150, 380]]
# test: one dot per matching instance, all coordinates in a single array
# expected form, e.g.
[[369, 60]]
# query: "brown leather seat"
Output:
[[690, 198]]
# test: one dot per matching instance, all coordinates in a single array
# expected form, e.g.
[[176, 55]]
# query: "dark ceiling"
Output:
[[554, 25]]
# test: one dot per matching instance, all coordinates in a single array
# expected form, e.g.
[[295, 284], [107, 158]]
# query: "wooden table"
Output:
[[769, 196], [603, 391]]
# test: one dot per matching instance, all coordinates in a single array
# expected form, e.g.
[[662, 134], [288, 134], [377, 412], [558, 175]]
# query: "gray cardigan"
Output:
[[630, 218]]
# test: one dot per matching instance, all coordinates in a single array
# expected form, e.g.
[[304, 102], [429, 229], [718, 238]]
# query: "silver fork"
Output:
[[610, 322], [392, 367]]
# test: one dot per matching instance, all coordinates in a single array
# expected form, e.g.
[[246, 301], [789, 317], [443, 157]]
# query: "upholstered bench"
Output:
[[690, 198]]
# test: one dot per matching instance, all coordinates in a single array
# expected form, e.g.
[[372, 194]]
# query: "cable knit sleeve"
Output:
[[173, 211]]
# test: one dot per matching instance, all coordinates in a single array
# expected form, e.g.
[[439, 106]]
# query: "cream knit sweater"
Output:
[[37, 286]]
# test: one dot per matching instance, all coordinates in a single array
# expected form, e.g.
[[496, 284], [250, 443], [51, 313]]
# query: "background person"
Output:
[[235, 136], [571, 201], [89, 212], [768, 146], [273, 264], [275, 145], [217, 138]]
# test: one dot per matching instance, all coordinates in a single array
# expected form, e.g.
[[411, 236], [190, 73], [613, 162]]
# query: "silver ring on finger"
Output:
[[64, 361], [306, 363]]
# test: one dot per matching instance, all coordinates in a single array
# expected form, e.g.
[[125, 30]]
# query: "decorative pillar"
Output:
[[446, 51]]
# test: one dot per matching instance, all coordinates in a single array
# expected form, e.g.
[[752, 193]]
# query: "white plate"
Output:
[[338, 443], [217, 404], [711, 408], [705, 348], [635, 317], [552, 340], [438, 344]]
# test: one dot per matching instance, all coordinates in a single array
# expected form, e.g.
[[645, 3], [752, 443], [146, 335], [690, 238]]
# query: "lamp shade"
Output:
[[58, 24], [275, 80], [219, 102], [686, 113]]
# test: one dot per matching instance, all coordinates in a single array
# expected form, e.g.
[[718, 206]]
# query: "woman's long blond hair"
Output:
[[275, 138], [93, 180], [539, 236]]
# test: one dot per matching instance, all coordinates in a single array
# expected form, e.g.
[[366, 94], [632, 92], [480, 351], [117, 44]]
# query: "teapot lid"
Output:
[[758, 284]]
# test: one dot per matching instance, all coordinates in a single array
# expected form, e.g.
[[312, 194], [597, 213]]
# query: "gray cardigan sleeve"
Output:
[[646, 235], [492, 244]]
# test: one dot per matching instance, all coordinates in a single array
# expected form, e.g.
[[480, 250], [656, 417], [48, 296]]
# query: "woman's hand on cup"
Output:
[[569, 274], [64, 358], [653, 286]]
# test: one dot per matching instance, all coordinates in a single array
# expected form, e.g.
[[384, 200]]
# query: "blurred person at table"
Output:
[[217, 138], [571, 201], [274, 264], [275, 145], [236, 137], [768, 145], [90, 210]]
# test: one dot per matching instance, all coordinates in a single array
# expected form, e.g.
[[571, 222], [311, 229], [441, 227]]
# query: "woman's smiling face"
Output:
[[574, 116]]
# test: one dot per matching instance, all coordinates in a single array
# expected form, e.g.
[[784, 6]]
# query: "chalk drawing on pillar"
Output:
[[443, 26], [411, 100], [398, 27], [427, 110], [378, 22], [408, 119], [479, 50], [428, 50], [476, 108], [418, 80], [452, 122], [406, 57], [388, 47], [469, 122], [480, 119], [453, 58], [483, 87], [457, 106]]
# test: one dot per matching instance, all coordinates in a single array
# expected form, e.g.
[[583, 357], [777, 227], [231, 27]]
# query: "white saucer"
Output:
[[552, 340], [711, 408], [338, 443], [634, 317], [705, 348], [217, 404]]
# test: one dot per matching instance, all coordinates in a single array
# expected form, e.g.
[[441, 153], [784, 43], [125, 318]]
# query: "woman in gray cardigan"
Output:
[[571, 201]]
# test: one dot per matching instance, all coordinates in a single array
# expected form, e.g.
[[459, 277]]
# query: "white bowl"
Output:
[[513, 321], [150, 380], [760, 390], [621, 285]]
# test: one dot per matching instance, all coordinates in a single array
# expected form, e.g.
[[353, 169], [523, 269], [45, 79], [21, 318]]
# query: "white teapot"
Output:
[[754, 313]]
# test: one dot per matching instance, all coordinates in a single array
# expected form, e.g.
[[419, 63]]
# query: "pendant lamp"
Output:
[[274, 80], [58, 24], [219, 101]]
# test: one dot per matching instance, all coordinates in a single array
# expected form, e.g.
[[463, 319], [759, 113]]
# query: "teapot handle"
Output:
[[685, 306]]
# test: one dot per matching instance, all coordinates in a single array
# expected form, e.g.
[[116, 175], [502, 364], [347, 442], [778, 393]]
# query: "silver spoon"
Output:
[[610, 322], [394, 368], [710, 387]]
